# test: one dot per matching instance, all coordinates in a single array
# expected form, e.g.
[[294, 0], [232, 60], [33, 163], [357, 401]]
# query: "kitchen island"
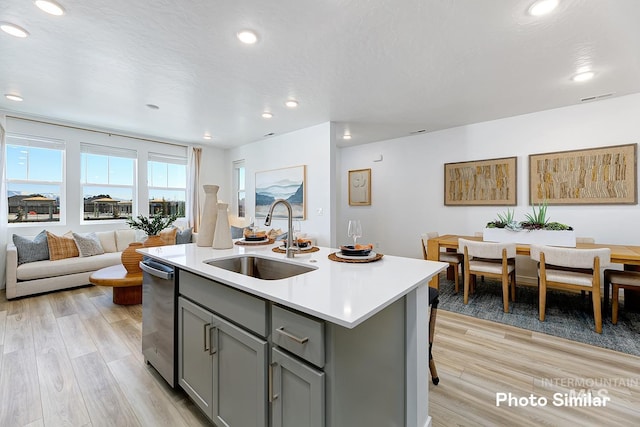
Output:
[[341, 345]]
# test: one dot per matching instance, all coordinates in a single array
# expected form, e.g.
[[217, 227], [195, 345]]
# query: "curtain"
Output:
[[3, 210], [193, 189]]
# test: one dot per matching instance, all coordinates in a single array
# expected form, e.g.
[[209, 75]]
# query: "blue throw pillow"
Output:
[[184, 236], [32, 250], [237, 232]]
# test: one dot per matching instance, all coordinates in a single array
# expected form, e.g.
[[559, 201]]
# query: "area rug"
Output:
[[568, 315]]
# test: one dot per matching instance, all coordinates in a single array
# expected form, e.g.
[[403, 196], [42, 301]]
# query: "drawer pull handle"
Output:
[[291, 336]]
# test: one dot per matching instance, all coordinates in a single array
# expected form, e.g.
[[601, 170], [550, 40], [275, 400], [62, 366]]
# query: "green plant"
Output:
[[557, 226], [505, 220], [536, 220], [152, 226]]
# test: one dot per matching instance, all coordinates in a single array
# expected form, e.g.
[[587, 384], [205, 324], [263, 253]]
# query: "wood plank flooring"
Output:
[[73, 358], [476, 359]]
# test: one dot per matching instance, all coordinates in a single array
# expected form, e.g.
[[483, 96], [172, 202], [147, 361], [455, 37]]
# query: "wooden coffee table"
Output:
[[127, 287]]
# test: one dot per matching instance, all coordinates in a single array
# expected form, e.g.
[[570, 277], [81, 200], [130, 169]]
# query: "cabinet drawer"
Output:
[[244, 309], [301, 335]]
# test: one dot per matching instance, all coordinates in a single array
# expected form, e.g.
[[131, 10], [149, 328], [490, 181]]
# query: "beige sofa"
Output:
[[44, 276]]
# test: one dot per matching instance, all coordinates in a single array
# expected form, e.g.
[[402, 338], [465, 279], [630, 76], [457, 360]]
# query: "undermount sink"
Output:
[[260, 268]]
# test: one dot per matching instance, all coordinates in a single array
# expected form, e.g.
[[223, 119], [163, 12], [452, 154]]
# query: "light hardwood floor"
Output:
[[73, 358], [476, 359]]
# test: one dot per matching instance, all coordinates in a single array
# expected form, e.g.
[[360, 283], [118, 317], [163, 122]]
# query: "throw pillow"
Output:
[[31, 250], [88, 244], [237, 232], [184, 236], [168, 236], [61, 247]]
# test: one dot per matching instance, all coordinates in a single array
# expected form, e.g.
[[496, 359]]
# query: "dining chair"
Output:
[[433, 304], [454, 259], [490, 259], [572, 270], [619, 279]]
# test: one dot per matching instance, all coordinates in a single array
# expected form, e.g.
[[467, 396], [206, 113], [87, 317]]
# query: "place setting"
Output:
[[356, 253], [252, 236], [300, 242]]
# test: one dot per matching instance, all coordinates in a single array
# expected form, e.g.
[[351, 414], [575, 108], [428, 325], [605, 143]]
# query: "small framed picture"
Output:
[[360, 187]]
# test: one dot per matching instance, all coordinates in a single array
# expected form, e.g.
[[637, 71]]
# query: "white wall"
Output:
[[312, 147], [407, 186]]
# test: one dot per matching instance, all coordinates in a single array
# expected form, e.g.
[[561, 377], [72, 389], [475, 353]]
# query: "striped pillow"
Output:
[[61, 247]]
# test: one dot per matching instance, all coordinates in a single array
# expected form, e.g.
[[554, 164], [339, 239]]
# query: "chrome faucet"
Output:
[[290, 250]]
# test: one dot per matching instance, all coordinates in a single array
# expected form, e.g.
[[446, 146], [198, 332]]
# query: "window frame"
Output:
[[166, 159], [239, 187], [103, 150], [43, 143]]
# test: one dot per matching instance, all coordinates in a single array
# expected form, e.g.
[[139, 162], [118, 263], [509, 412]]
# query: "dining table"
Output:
[[628, 255]]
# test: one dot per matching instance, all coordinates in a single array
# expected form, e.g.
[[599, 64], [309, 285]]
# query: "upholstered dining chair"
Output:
[[490, 259], [573, 270], [619, 279], [454, 259]]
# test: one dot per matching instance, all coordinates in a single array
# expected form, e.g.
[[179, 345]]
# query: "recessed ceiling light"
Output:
[[247, 36], [583, 77], [292, 103], [13, 97], [207, 136], [346, 136], [153, 106], [542, 7], [13, 29], [50, 7], [267, 115]]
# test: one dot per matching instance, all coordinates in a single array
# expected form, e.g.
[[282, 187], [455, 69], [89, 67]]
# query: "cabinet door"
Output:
[[239, 377], [296, 392], [195, 359]]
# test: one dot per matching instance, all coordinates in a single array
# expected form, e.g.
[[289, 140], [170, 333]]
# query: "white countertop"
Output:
[[346, 294]]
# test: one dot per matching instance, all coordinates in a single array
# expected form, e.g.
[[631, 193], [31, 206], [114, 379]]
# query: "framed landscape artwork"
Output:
[[604, 175], [285, 183], [360, 187], [489, 182]]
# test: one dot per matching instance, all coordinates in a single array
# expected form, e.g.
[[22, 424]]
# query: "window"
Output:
[[239, 186], [167, 182], [35, 170], [107, 176]]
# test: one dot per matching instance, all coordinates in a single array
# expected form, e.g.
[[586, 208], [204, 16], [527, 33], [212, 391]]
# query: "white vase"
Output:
[[209, 216], [222, 237]]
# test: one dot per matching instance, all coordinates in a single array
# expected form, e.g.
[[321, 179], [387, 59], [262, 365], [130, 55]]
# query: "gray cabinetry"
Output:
[[240, 377], [296, 392], [195, 360], [222, 367]]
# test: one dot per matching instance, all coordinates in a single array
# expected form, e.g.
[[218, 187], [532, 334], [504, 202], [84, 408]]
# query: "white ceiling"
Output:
[[379, 68]]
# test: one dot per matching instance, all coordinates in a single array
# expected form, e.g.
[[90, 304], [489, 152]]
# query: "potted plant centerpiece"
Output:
[[152, 226], [536, 229]]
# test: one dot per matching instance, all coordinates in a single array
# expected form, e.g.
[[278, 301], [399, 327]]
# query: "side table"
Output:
[[127, 287]]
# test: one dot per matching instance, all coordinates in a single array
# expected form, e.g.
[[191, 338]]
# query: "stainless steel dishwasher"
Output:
[[159, 330]]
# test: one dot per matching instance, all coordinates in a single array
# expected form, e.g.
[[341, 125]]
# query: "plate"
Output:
[[307, 248], [370, 256], [256, 239], [348, 250]]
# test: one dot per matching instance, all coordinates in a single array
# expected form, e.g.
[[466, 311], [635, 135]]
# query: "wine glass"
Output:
[[354, 230]]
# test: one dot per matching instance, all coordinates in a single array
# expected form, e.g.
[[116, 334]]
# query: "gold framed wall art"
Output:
[[360, 187], [490, 182], [604, 175]]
